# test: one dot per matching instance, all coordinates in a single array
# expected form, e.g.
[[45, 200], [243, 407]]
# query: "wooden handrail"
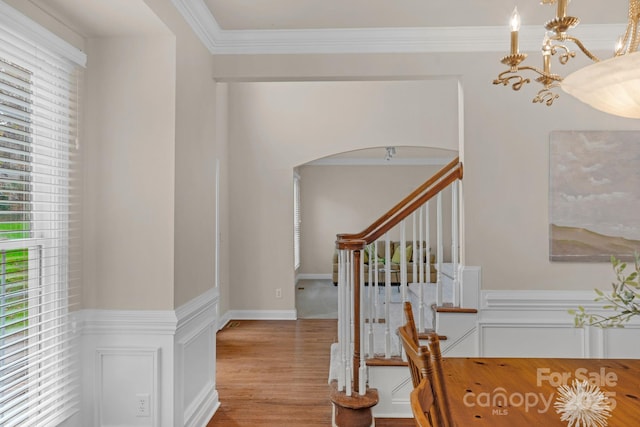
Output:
[[357, 242], [402, 210], [403, 202]]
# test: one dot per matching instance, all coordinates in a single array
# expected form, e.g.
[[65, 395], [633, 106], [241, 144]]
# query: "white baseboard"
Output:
[[261, 315], [256, 315], [223, 320], [310, 276]]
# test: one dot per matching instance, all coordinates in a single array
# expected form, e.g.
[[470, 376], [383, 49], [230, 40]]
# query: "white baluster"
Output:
[[403, 263], [454, 243], [362, 373], [341, 319], [427, 221], [376, 275], [371, 306], [426, 259], [349, 328], [420, 248], [387, 285], [440, 250], [416, 249]]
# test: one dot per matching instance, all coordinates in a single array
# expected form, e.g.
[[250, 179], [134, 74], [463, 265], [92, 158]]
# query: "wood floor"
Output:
[[274, 373]]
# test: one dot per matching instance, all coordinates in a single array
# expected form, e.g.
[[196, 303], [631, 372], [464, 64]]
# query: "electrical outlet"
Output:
[[279, 293], [142, 405]]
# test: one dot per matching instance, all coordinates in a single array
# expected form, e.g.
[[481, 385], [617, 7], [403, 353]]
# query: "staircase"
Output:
[[372, 285]]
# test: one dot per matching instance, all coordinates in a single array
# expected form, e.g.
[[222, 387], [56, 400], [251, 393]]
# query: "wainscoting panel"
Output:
[[169, 355], [126, 353], [618, 344], [537, 324], [532, 340], [123, 376], [196, 395]]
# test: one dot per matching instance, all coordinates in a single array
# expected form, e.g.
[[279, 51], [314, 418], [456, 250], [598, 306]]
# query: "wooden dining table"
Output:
[[518, 392]]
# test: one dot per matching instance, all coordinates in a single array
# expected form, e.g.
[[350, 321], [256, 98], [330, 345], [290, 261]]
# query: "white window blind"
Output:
[[39, 278], [297, 220]]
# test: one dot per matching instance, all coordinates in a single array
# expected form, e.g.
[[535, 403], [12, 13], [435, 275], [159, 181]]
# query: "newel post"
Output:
[[353, 410]]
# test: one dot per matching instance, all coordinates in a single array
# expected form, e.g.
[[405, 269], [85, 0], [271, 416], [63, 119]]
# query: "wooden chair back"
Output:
[[410, 323], [439, 382], [422, 401], [419, 361], [433, 368]]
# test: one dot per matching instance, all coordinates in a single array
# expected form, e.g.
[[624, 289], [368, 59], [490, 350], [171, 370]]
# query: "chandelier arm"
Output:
[[634, 41], [542, 73], [584, 50], [546, 95], [632, 27], [516, 80]]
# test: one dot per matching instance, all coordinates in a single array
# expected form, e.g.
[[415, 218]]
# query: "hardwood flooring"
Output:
[[273, 373]]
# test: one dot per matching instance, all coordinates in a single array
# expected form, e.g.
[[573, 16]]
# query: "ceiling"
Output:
[[103, 18], [323, 14]]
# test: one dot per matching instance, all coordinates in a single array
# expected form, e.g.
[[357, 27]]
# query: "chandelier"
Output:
[[612, 86]]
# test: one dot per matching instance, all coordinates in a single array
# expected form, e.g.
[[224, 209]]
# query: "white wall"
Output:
[[506, 156], [347, 199], [129, 150], [274, 127]]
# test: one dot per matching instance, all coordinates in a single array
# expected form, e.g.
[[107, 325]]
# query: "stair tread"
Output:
[[383, 361], [451, 309]]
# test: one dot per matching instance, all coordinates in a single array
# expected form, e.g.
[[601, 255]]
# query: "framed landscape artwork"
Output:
[[594, 195]]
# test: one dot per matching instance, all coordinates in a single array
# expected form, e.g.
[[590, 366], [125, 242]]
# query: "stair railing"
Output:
[[362, 316]]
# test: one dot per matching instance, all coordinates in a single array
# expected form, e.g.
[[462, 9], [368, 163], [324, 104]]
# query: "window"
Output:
[[297, 221], [38, 278]]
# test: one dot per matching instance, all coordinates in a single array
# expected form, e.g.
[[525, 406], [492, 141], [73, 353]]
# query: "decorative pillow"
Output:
[[368, 252], [396, 254]]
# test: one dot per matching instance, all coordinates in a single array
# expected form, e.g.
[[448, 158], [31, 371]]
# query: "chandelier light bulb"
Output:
[[619, 45], [515, 26], [515, 20]]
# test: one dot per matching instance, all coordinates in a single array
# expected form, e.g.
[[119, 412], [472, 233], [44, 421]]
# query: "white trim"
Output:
[[128, 321], [371, 161], [201, 415], [223, 320], [216, 258], [21, 24], [262, 314], [527, 300], [376, 40], [201, 21], [303, 276], [200, 304]]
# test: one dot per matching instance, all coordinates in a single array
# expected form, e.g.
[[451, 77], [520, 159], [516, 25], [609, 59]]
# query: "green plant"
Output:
[[624, 298]]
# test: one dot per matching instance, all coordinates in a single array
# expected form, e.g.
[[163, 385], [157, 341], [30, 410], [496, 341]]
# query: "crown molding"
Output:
[[376, 40]]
